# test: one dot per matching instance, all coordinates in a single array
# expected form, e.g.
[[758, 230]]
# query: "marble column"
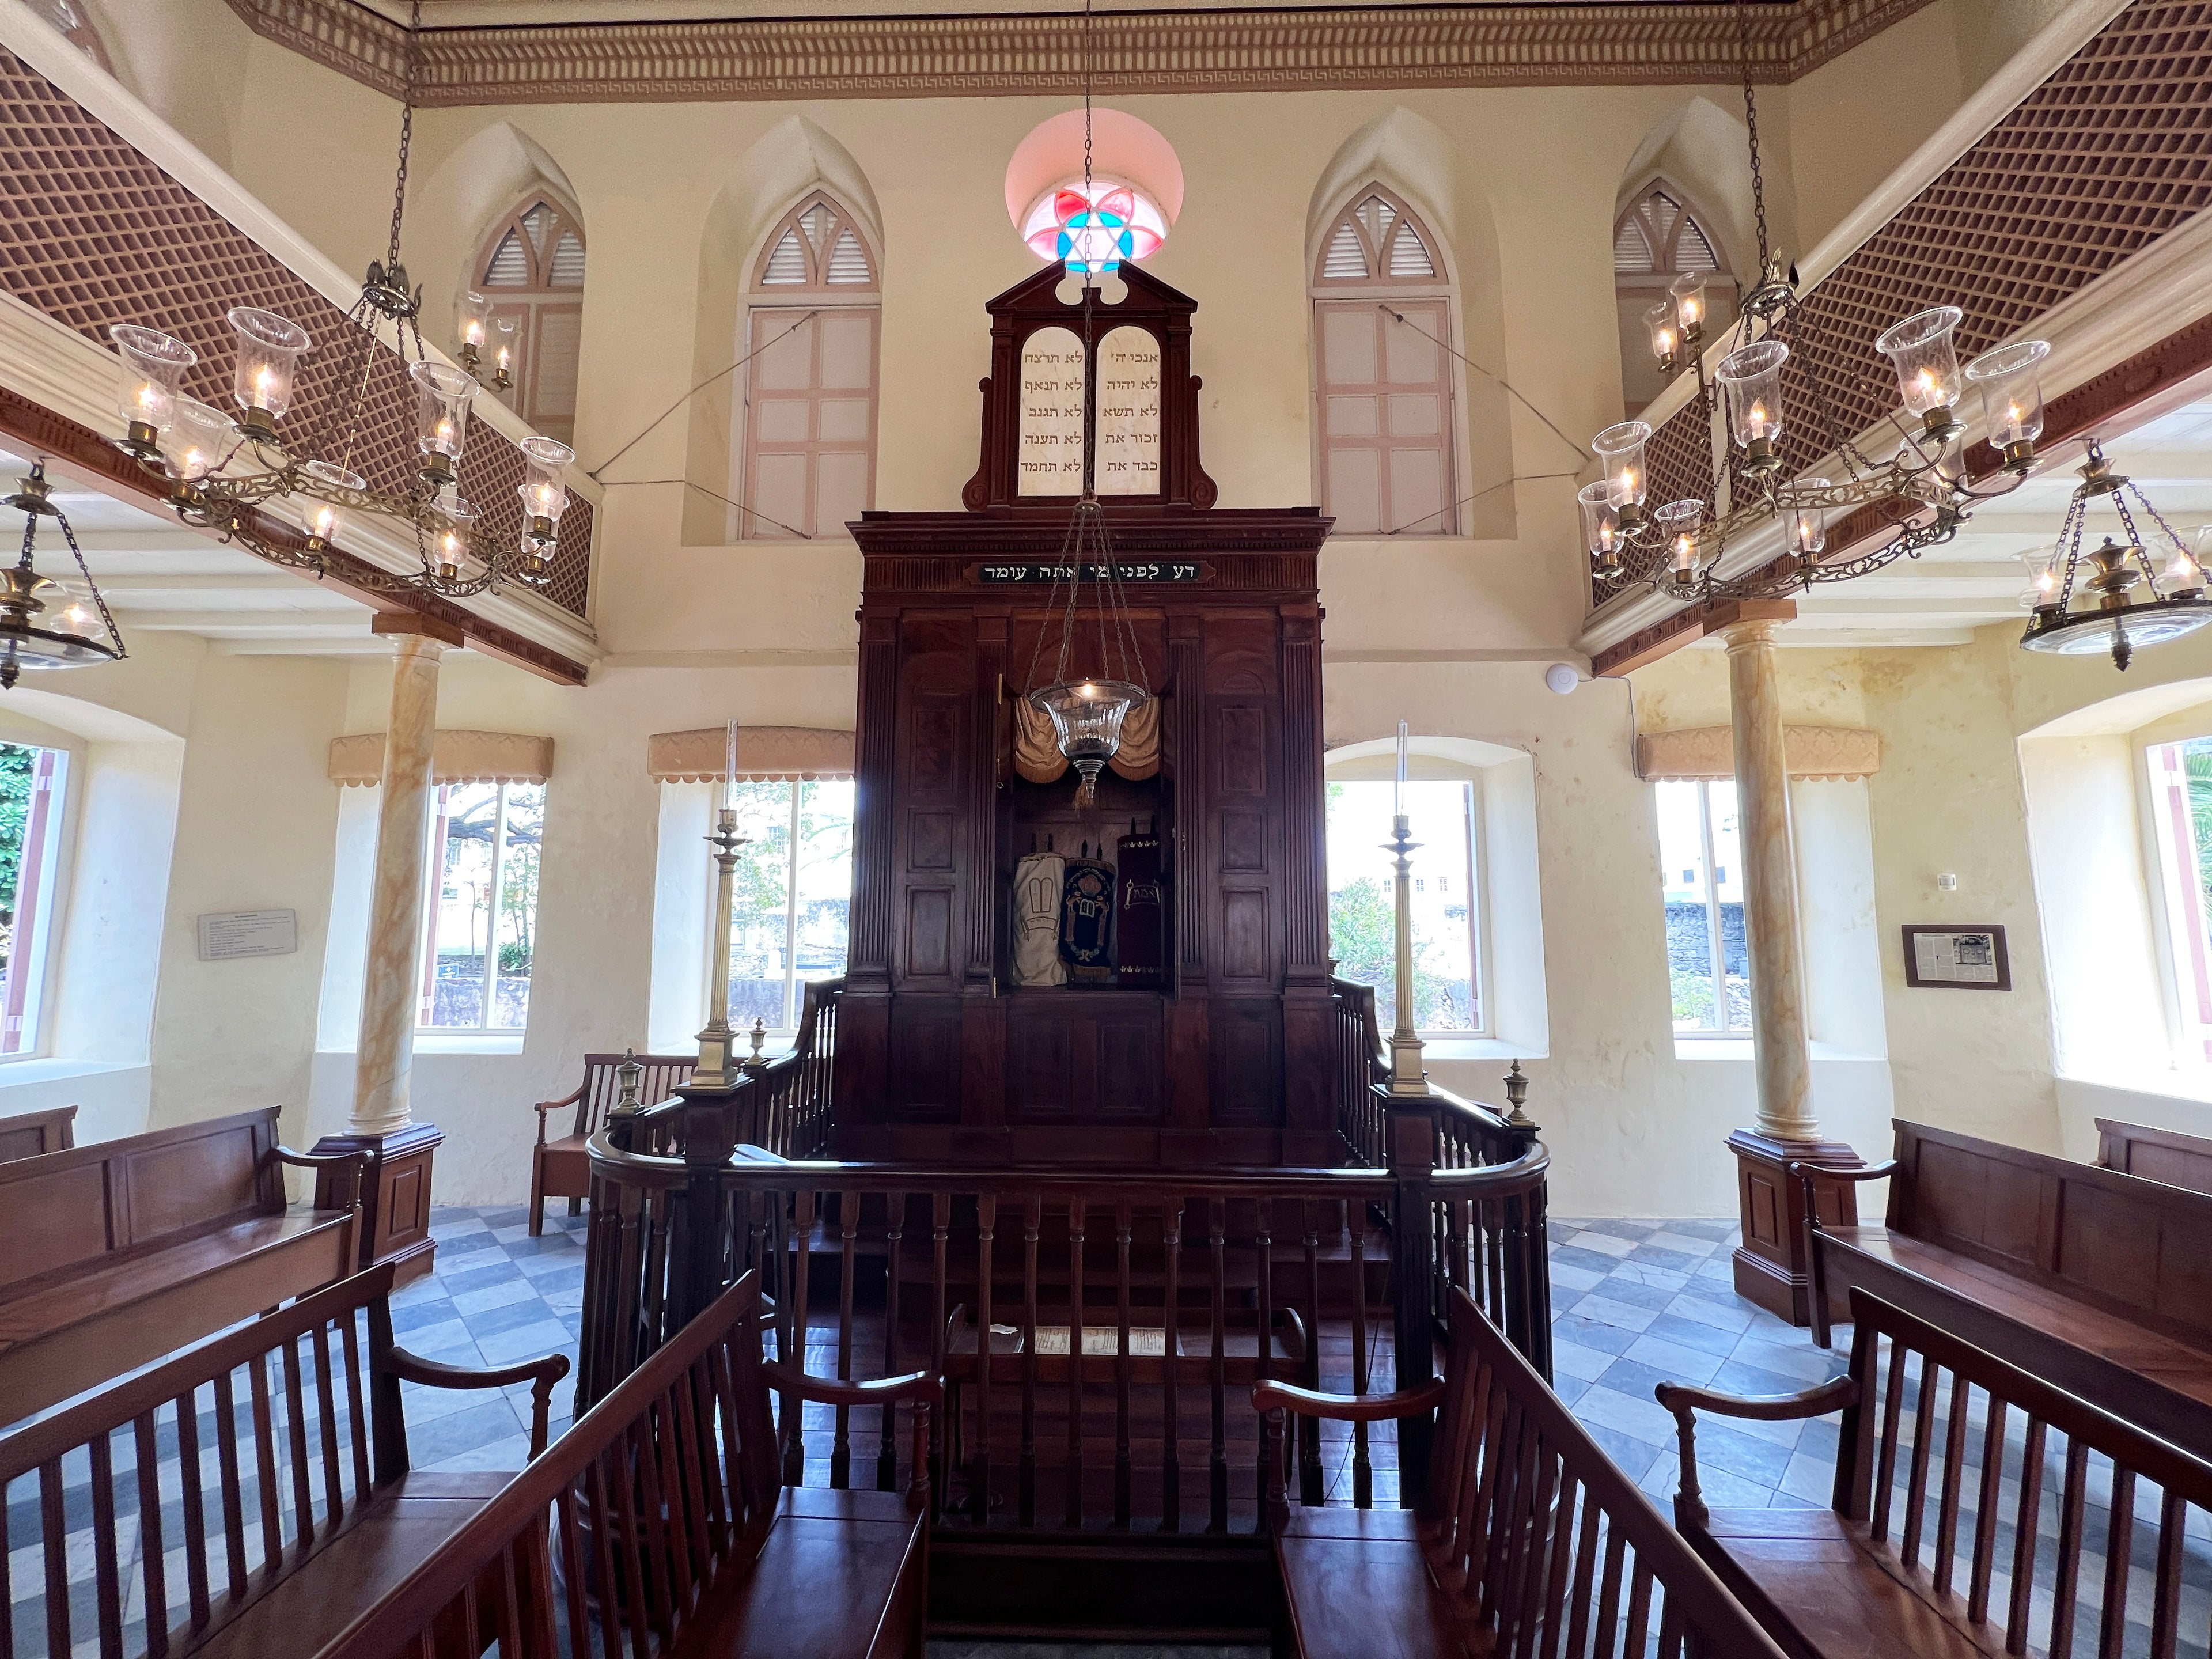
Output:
[[1772, 1265], [1784, 1059], [395, 1198], [390, 990]]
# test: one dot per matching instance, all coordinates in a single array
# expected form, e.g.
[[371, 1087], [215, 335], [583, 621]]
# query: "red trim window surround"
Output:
[[806, 422], [1383, 326]]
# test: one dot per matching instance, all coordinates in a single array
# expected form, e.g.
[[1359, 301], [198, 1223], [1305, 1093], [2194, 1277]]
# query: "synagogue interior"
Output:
[[834, 830]]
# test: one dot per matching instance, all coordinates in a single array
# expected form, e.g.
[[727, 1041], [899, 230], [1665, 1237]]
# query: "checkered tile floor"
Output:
[[1635, 1304]]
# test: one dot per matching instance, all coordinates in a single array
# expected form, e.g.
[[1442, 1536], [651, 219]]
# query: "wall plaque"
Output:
[[1049, 456], [230, 933], [1128, 413], [1958, 958]]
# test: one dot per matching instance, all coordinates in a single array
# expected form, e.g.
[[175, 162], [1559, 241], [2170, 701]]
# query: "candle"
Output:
[[1398, 789], [730, 769]]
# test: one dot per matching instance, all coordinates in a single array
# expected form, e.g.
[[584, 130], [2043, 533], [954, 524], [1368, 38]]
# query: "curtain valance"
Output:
[[459, 758], [1708, 752], [766, 753], [1036, 748]]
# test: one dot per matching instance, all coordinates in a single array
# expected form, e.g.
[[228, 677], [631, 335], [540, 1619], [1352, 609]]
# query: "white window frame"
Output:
[[792, 994], [433, 882], [1716, 938], [60, 830], [2179, 908], [1477, 876]]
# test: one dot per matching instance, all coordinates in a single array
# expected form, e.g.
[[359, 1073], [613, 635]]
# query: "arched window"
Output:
[[70, 19], [1656, 239], [531, 269], [1383, 325], [806, 422]]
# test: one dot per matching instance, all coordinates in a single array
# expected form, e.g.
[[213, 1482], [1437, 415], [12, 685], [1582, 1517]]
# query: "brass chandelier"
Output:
[[1677, 547], [221, 472], [2105, 579]]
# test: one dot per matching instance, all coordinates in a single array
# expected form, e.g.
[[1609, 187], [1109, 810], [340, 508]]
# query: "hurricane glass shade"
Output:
[[1752, 376], [325, 517], [1620, 449], [1926, 360], [43, 625], [441, 408], [543, 495], [1086, 718], [450, 545], [269, 348], [475, 319], [153, 365], [1809, 527], [2042, 564], [2011, 380], [197, 441], [502, 332], [1659, 320], [1678, 523], [1688, 291], [1600, 521]]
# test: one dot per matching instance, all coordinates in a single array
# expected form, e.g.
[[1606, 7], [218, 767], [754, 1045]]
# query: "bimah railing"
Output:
[[1099, 1330]]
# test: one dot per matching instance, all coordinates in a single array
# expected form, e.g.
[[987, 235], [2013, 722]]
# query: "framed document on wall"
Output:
[[1959, 958]]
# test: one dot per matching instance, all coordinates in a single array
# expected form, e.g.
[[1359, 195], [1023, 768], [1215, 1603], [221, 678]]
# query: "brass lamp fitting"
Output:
[[437, 470], [1940, 424], [2020, 456], [1759, 457], [259, 425]]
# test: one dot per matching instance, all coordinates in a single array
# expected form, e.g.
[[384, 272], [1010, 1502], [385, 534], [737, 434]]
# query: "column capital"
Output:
[[1741, 623], [415, 624]]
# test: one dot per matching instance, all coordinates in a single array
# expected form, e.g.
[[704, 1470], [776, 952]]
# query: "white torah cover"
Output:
[[1037, 882]]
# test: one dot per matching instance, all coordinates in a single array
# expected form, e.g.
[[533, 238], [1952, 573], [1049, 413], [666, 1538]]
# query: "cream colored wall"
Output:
[[1521, 184]]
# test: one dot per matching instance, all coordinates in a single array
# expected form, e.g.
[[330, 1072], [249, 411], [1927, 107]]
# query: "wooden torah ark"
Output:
[[1221, 1054]]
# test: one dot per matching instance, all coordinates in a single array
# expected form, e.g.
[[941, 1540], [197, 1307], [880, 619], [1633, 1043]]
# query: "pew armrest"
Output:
[[544, 1106], [1685, 1402], [346, 1168], [541, 1373], [1799, 1171], [917, 1387], [1348, 1407]]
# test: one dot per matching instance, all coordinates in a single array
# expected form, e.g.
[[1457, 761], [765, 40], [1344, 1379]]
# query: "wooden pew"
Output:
[[561, 1168], [666, 1494], [29, 1134], [256, 1488], [2166, 1155], [2082, 1275], [1503, 1554], [114, 1254], [1908, 1558]]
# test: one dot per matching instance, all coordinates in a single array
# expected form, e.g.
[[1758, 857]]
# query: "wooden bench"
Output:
[[2166, 1155], [2078, 1274], [659, 1519], [28, 1134], [246, 1498], [1929, 1550], [1525, 1532], [562, 1167], [115, 1253]]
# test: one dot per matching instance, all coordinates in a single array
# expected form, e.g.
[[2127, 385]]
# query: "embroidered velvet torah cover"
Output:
[[1086, 921], [1141, 927]]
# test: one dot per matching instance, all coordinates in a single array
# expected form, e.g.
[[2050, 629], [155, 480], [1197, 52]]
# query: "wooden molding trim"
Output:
[[1018, 54], [87, 452]]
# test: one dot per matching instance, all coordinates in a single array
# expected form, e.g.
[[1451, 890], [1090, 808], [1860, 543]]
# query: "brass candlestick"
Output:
[[1406, 1077], [717, 1066]]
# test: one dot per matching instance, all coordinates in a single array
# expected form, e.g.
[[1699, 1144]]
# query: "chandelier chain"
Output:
[[406, 132], [98, 600], [1751, 125]]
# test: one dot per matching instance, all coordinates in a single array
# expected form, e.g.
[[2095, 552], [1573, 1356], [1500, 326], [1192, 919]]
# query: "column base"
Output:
[[1770, 1268], [395, 1199]]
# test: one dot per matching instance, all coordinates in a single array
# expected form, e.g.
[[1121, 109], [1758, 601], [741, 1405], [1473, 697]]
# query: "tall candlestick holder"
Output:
[[718, 1066], [1407, 1076]]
